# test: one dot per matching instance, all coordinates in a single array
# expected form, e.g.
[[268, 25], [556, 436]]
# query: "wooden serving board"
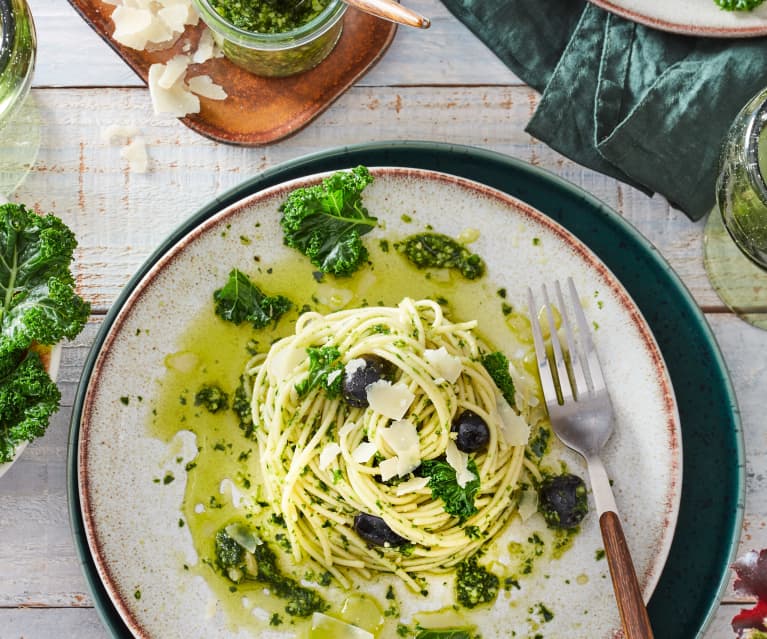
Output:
[[260, 110]]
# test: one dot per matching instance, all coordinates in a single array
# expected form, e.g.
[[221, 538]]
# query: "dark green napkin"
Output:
[[646, 107]]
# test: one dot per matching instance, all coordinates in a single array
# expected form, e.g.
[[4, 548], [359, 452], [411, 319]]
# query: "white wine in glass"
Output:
[[735, 240]]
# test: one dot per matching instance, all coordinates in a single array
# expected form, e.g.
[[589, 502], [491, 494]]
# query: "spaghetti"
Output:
[[324, 461]]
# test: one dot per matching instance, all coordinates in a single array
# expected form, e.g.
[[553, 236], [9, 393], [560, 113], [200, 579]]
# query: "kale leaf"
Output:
[[326, 221], [444, 485], [28, 397], [38, 302], [325, 370], [497, 365], [240, 300], [38, 306], [738, 5]]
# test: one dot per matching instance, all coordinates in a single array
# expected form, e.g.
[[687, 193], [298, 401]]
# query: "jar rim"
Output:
[[326, 18]]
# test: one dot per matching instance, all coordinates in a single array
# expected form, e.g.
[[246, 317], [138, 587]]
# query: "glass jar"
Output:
[[741, 188], [735, 238], [277, 54], [17, 56]]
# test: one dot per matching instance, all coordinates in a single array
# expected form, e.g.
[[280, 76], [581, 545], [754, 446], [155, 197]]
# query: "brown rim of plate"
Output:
[[650, 576], [679, 27]]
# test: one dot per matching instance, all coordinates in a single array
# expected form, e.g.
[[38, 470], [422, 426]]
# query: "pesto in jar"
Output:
[[269, 16]]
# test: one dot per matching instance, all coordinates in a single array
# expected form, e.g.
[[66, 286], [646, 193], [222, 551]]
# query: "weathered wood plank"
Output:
[[45, 623], [75, 56], [121, 217]]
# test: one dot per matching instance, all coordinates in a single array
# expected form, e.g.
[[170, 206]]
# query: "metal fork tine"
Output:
[[582, 385], [544, 370], [591, 363], [559, 358]]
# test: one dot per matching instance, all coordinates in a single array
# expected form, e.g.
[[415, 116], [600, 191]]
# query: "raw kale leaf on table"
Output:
[[38, 306]]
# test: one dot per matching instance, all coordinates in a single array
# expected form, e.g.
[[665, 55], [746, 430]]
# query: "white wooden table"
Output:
[[426, 87]]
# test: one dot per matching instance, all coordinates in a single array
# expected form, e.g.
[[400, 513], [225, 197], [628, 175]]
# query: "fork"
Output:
[[582, 416]]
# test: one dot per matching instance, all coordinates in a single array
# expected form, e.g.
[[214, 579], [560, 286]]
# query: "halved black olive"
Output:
[[562, 500], [376, 531], [354, 384], [473, 433]]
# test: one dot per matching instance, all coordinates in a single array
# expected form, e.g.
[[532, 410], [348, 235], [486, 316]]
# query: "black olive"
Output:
[[375, 531], [354, 384], [473, 433], [562, 500]]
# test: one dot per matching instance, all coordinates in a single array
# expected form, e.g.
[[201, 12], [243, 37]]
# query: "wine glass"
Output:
[[19, 116], [735, 238]]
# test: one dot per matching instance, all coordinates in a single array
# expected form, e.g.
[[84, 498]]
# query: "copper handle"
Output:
[[391, 10]]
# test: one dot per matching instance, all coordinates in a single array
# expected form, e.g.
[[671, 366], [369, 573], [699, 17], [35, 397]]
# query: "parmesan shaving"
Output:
[[388, 468], [328, 454], [364, 452], [177, 100], [391, 400], [112, 131], [411, 485], [528, 504], [203, 85], [402, 438], [206, 48], [447, 366], [514, 428], [143, 24], [174, 70], [135, 153], [347, 428], [459, 461]]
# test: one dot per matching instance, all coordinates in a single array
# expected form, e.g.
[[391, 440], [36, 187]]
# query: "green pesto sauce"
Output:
[[214, 352], [269, 16], [434, 250]]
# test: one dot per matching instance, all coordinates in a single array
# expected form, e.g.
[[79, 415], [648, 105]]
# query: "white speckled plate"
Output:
[[52, 359], [131, 522], [691, 17]]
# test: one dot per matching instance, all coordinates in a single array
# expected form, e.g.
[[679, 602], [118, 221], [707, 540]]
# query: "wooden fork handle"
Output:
[[634, 619]]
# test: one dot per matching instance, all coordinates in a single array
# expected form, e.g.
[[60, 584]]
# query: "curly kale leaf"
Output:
[[738, 5], [240, 300], [325, 371], [326, 221], [28, 397], [497, 366], [38, 302], [444, 485]]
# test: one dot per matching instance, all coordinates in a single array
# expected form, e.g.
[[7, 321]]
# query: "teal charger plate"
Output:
[[711, 511]]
